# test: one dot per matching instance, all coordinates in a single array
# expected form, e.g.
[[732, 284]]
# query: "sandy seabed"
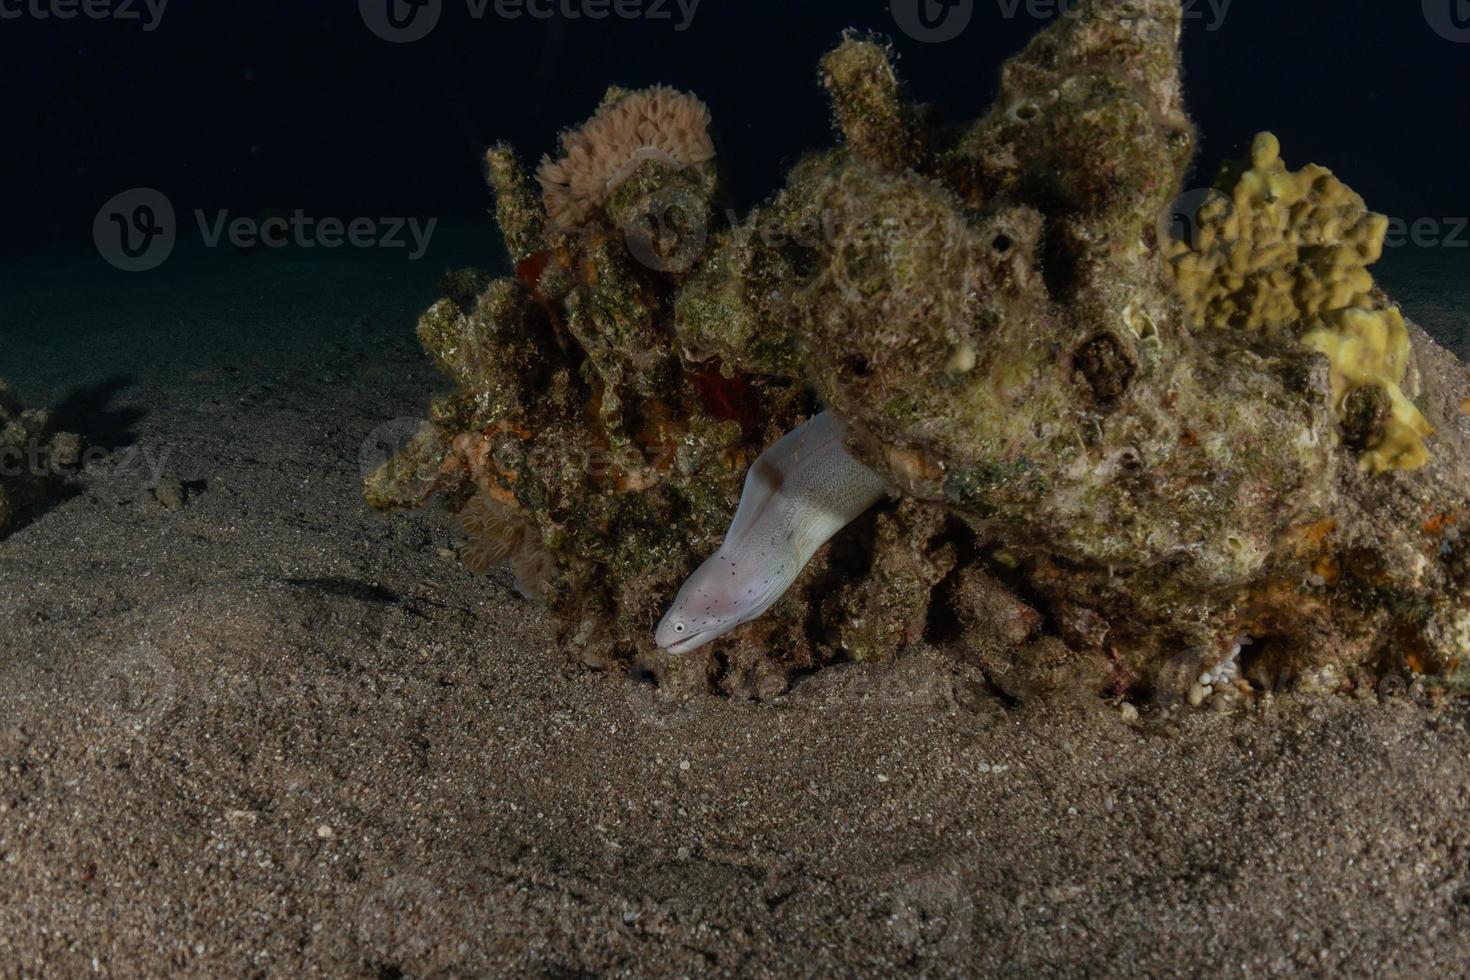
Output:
[[272, 733]]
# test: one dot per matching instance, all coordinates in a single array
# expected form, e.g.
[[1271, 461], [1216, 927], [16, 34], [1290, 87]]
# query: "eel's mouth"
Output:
[[672, 642]]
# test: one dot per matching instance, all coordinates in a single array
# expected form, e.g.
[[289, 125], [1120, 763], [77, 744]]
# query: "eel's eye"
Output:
[[678, 627]]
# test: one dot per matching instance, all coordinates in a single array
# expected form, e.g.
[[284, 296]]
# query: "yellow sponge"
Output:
[[1279, 252]]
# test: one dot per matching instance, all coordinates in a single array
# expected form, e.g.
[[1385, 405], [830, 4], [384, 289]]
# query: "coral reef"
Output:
[[33, 456], [1123, 463], [581, 444]]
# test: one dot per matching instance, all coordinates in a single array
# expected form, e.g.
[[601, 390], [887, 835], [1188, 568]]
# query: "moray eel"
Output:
[[798, 493]]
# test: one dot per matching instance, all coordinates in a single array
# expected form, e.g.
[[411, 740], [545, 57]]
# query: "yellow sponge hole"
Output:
[[1371, 348]]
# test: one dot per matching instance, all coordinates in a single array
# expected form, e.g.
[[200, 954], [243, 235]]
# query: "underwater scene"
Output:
[[700, 487]]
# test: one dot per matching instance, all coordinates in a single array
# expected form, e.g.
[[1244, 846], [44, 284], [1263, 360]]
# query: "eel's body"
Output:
[[798, 493]]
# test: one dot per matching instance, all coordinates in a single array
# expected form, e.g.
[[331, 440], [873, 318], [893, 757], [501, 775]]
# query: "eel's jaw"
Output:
[[687, 644], [671, 639], [705, 609]]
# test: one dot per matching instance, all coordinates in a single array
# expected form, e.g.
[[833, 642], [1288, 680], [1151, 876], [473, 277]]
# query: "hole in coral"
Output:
[[849, 558], [858, 366], [1002, 243], [852, 549], [1365, 417], [1059, 263], [641, 673], [1265, 662], [944, 626], [1106, 368], [800, 256]]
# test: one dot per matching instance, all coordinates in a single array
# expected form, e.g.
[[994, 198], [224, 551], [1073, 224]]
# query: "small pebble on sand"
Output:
[[325, 832], [170, 493]]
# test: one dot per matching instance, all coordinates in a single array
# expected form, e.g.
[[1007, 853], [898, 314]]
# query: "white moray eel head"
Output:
[[716, 599], [801, 491]]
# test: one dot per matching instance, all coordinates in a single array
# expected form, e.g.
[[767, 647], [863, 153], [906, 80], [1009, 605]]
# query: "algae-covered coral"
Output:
[[33, 456], [1099, 479]]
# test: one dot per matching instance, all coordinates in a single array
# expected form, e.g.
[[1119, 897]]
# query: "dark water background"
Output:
[[257, 107]]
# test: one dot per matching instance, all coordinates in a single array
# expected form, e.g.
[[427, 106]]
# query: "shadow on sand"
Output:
[[92, 413]]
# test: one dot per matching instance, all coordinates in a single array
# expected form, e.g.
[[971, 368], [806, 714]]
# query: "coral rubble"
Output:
[[1119, 457], [33, 456]]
